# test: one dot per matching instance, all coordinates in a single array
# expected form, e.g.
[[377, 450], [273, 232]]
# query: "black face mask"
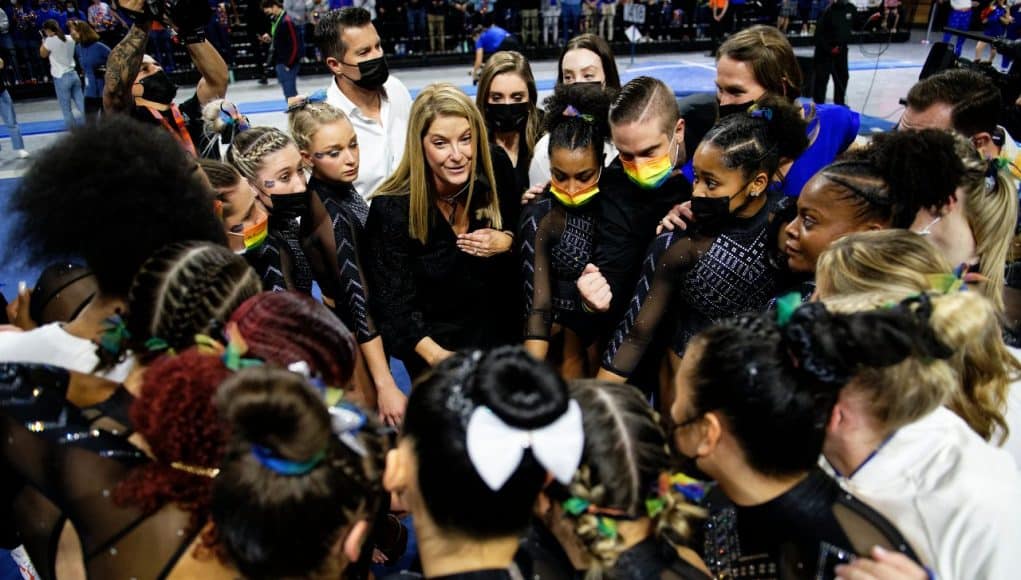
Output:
[[727, 110], [510, 117], [373, 73], [158, 88], [290, 205], [588, 84], [710, 213]]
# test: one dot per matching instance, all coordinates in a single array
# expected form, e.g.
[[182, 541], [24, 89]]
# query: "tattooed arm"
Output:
[[123, 64]]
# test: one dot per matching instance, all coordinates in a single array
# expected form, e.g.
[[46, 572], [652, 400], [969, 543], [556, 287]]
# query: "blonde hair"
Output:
[[897, 261], [991, 210], [411, 176], [968, 324], [505, 62], [250, 147], [907, 391], [305, 121]]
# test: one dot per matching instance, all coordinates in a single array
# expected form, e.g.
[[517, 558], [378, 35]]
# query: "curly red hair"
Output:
[[176, 414]]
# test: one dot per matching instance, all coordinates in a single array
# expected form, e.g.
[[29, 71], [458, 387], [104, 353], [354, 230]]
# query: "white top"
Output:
[[960, 4], [50, 344], [956, 498], [539, 171], [380, 146], [61, 55], [1013, 416]]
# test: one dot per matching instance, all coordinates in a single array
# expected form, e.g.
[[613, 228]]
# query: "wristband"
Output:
[[197, 36]]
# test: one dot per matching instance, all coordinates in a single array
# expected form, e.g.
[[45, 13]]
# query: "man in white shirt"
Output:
[[377, 104]]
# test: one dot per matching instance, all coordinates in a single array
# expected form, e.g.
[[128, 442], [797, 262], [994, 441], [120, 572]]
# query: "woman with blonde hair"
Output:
[[891, 442], [439, 240], [329, 146], [507, 98], [878, 261], [975, 229], [900, 264]]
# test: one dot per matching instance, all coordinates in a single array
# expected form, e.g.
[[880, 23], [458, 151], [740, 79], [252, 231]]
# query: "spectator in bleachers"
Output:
[[416, 24], [529, 11], [218, 30], [607, 16], [256, 24], [286, 46], [437, 16], [570, 18], [10, 73], [551, 22], [71, 13], [104, 20], [26, 25]]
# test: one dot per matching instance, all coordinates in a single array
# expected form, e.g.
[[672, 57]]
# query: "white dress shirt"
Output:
[[956, 498], [380, 145]]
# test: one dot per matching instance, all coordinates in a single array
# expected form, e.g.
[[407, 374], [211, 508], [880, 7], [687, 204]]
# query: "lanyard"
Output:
[[273, 27], [180, 132]]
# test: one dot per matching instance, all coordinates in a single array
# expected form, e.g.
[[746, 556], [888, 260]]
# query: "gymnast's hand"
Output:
[[594, 289]]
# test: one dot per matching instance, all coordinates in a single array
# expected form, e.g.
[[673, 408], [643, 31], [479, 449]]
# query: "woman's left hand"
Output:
[[485, 242]]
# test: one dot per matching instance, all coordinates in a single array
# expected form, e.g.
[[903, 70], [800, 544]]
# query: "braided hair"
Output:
[[761, 139], [626, 452], [577, 118], [898, 174], [250, 148], [184, 289]]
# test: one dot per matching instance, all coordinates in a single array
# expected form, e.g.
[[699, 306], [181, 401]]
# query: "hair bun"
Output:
[[521, 392], [276, 409]]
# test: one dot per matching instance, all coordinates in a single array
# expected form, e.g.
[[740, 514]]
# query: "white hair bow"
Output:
[[496, 449]]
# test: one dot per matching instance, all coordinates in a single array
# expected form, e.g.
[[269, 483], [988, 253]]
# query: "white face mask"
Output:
[[927, 230]]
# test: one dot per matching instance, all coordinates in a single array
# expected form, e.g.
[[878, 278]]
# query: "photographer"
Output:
[[138, 86]]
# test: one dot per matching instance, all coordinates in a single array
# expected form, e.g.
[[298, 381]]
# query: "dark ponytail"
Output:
[[777, 384]]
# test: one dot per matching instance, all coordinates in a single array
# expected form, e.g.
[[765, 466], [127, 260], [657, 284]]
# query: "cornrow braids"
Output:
[[186, 289], [898, 174], [759, 141], [626, 453], [306, 121], [251, 147]]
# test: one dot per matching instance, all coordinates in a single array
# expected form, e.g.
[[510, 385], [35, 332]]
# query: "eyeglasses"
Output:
[[687, 423]]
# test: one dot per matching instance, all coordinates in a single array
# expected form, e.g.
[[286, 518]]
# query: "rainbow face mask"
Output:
[[649, 174], [255, 234], [575, 198]]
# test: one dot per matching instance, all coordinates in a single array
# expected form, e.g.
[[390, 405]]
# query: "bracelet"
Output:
[[197, 36]]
